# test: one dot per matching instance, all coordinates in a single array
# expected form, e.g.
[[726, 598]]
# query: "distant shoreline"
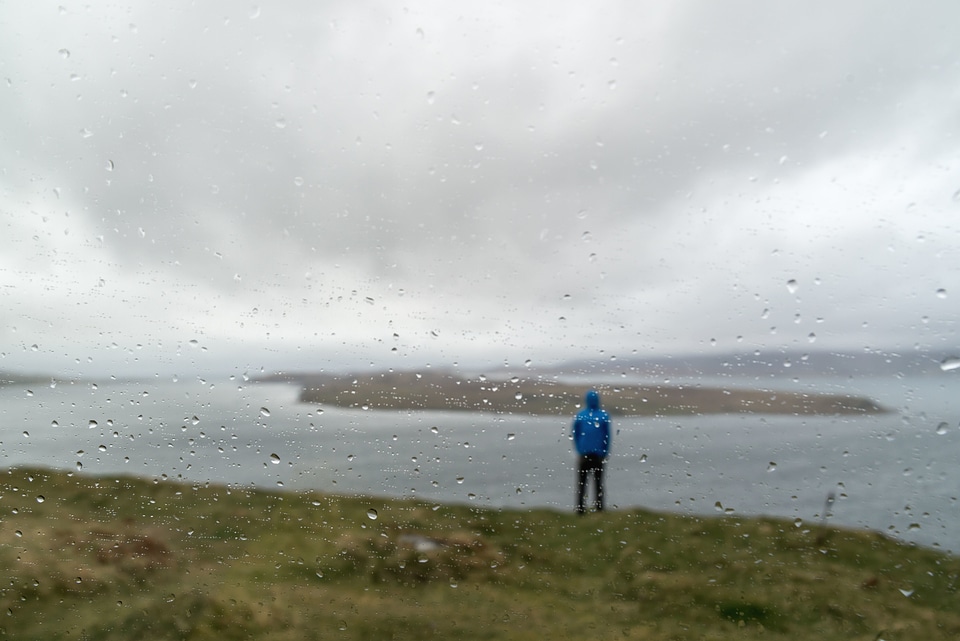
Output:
[[450, 392]]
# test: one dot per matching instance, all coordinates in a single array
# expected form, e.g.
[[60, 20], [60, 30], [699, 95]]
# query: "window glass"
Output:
[[375, 250]]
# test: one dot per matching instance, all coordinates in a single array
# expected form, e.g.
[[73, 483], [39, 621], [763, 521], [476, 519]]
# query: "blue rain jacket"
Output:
[[591, 428]]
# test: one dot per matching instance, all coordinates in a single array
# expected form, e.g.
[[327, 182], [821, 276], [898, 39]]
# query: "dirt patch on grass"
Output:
[[415, 557], [124, 549]]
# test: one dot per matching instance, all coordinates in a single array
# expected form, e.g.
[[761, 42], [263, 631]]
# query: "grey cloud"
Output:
[[643, 161]]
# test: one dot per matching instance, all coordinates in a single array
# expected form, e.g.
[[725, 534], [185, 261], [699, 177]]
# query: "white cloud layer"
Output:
[[200, 186]]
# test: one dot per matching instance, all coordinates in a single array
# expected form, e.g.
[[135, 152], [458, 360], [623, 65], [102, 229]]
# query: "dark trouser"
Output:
[[591, 463]]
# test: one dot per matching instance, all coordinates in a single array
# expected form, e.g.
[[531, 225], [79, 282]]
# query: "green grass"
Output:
[[127, 558]]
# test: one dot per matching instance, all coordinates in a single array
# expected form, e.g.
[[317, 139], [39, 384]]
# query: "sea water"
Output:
[[894, 472]]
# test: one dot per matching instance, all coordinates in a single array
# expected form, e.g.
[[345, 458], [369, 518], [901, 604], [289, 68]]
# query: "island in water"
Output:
[[447, 391]]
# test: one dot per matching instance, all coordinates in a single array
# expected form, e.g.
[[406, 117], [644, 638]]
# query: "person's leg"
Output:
[[582, 470], [598, 478]]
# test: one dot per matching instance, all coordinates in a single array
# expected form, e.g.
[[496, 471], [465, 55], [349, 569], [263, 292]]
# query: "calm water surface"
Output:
[[894, 473]]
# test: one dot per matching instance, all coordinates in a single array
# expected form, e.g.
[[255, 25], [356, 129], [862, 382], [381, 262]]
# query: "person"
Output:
[[591, 438]]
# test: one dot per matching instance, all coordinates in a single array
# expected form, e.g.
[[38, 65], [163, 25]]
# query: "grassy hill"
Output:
[[127, 558]]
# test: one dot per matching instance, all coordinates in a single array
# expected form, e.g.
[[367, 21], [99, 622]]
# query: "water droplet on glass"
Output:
[[298, 181], [792, 286], [518, 396], [435, 429], [907, 593], [40, 498], [102, 448], [275, 459], [941, 293], [92, 424], [85, 133], [264, 411], [280, 123], [718, 506], [511, 436], [430, 97], [372, 514], [950, 363], [460, 480], [942, 428], [772, 467], [64, 53]]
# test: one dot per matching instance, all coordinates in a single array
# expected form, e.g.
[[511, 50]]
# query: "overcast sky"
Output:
[[200, 186]]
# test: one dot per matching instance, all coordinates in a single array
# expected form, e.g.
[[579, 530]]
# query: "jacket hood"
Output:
[[593, 399]]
